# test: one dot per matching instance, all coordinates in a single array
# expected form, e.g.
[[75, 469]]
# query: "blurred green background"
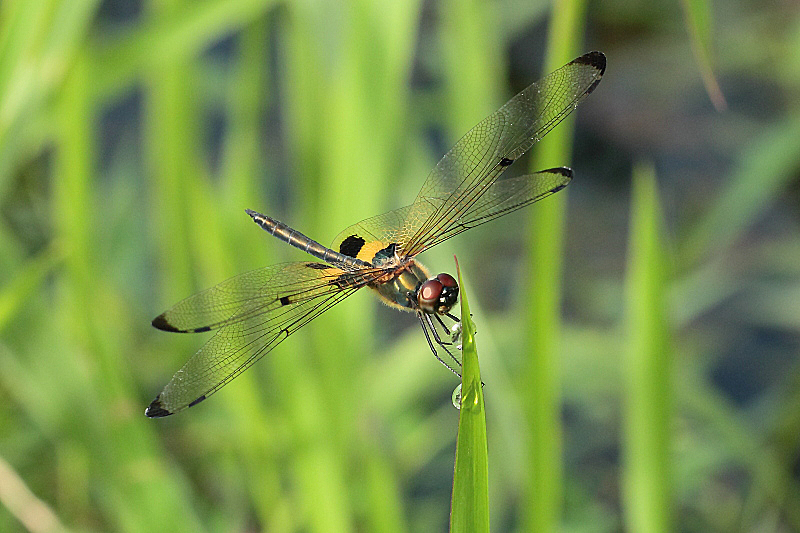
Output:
[[663, 393]]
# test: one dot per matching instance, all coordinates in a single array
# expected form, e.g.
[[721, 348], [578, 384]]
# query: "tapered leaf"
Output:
[[470, 505]]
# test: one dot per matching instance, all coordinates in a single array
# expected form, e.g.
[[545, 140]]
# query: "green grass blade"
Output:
[[699, 20], [172, 124], [646, 472], [543, 508], [470, 506], [473, 65], [101, 424], [38, 41]]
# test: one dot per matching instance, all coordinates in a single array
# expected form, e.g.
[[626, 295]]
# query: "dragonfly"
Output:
[[255, 311]]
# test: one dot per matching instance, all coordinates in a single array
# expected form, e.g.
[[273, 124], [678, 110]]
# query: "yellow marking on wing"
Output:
[[368, 251]]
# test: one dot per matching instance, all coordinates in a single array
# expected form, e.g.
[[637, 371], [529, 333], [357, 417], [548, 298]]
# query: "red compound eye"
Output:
[[447, 280], [429, 292], [438, 295]]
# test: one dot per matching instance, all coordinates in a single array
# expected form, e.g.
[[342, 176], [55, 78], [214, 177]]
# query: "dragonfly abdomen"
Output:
[[285, 233]]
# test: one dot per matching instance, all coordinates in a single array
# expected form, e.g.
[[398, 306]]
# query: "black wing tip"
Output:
[[566, 172], [593, 59], [161, 322], [562, 171], [596, 60], [156, 409]]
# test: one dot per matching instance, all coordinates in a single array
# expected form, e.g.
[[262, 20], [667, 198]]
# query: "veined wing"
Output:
[[248, 294], [503, 196], [254, 312], [463, 190], [472, 166]]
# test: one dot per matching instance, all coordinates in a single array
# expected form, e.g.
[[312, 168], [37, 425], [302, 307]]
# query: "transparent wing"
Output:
[[254, 312], [241, 296], [503, 196], [463, 189], [470, 168]]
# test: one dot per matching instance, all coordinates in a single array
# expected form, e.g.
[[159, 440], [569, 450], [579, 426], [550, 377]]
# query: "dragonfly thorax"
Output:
[[412, 288]]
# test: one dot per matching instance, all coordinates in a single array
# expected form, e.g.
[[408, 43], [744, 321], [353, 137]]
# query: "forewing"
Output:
[[501, 197], [470, 168], [452, 194], [253, 319], [504, 196]]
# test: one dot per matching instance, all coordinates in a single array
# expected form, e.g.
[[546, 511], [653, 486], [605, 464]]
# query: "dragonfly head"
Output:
[[438, 294]]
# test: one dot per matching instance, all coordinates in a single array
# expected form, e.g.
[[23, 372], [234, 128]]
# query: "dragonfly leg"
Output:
[[425, 325], [438, 339]]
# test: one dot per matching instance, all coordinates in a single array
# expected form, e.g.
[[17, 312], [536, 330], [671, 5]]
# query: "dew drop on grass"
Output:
[[457, 397]]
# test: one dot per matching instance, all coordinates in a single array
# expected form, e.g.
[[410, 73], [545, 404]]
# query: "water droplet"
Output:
[[457, 397]]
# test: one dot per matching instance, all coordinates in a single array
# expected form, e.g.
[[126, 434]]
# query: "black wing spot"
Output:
[[201, 329], [562, 171], [351, 245], [506, 162], [317, 266], [195, 402], [285, 300]]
